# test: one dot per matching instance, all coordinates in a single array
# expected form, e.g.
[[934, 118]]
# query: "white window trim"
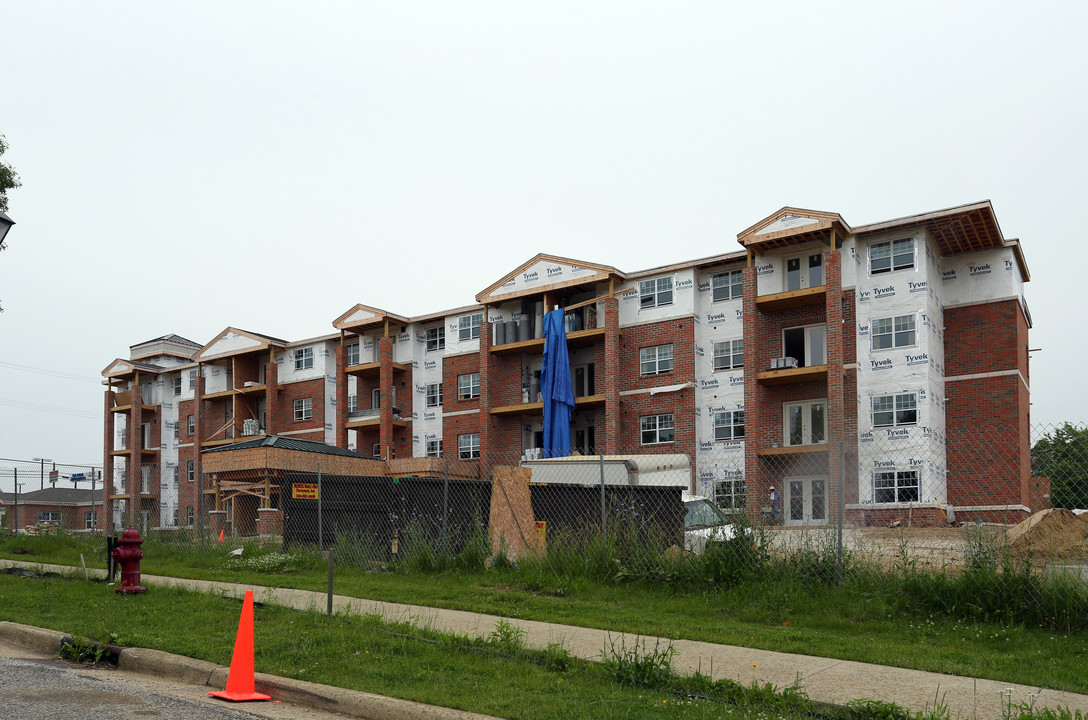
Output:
[[304, 409], [806, 416], [472, 326], [304, 358], [352, 354], [657, 360], [468, 446], [895, 410], [642, 429], [473, 386], [735, 289], [658, 290], [897, 476], [891, 255], [893, 346], [731, 419], [439, 339], [433, 448], [732, 354], [434, 395]]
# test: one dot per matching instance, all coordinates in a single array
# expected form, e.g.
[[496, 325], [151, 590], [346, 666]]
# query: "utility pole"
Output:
[[43, 461]]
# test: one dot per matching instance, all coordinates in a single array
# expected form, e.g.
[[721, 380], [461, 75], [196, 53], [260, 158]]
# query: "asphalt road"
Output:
[[34, 686]]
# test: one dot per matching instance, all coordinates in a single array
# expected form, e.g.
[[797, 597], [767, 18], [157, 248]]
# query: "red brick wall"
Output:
[[989, 459], [283, 410], [679, 332]]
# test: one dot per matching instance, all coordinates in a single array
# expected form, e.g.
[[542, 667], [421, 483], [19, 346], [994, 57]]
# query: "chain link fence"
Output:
[[979, 500]]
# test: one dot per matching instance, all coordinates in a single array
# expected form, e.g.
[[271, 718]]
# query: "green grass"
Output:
[[968, 624], [493, 675]]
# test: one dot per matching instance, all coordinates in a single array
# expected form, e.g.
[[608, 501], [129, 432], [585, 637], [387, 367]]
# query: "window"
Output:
[[656, 429], [434, 394], [806, 271], [894, 255], [654, 293], [729, 354], [895, 410], [192, 424], [805, 423], [895, 486], [468, 327], [189, 515], [353, 403], [175, 517], [468, 446], [583, 377], [145, 480], [468, 386], [177, 385], [192, 379], [177, 475], [304, 358], [436, 338], [353, 354], [729, 494], [807, 344], [434, 448], [48, 517], [177, 432], [726, 285], [89, 520], [892, 332], [190, 471], [304, 409], [729, 425], [655, 360]]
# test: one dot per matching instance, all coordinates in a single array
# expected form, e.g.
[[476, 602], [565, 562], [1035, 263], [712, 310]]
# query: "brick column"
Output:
[[272, 410], [135, 457], [198, 437], [107, 460], [759, 420], [836, 409], [341, 418], [385, 385], [490, 452], [609, 377], [269, 525]]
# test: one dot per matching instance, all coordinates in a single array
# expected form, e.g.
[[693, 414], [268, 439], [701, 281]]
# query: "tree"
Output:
[[1062, 454], [9, 179]]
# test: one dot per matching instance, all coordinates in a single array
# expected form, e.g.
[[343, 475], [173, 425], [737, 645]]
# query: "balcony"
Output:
[[576, 339], [371, 418], [537, 408], [373, 369], [806, 297], [789, 376], [793, 450]]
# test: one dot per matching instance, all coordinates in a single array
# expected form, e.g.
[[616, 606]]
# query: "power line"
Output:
[[51, 408], [54, 373]]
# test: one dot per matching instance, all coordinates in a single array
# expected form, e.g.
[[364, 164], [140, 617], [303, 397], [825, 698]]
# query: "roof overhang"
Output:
[[543, 273], [361, 318], [792, 226], [232, 341]]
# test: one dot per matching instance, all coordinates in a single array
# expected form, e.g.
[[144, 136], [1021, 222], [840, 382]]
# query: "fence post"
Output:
[[320, 527], [446, 510], [842, 480], [200, 505], [604, 520], [331, 551]]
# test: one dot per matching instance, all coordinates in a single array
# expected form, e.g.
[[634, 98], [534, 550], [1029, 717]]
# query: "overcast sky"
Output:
[[189, 166]]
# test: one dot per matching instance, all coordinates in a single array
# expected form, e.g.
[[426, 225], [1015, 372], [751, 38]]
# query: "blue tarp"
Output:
[[556, 387]]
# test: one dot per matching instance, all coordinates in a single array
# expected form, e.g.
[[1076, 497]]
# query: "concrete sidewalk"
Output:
[[822, 679]]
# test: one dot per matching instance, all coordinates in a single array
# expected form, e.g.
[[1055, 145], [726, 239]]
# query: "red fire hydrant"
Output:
[[128, 555]]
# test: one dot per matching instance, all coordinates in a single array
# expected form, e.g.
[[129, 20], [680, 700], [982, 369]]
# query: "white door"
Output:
[[806, 501]]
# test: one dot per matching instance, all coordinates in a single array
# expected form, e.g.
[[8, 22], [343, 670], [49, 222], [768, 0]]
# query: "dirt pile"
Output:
[[1054, 534]]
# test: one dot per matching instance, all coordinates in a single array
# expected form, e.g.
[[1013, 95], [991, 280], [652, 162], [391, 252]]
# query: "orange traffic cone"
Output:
[[240, 678], [220, 536]]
